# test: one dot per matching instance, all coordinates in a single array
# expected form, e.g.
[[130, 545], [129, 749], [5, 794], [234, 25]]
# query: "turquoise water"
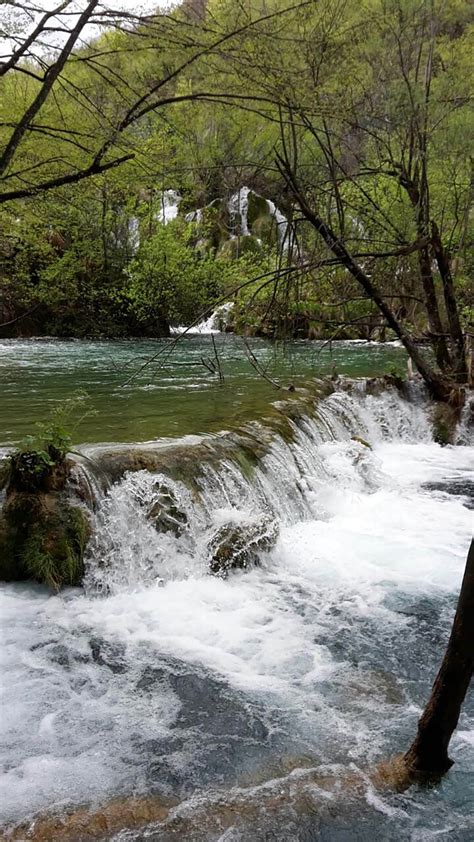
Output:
[[175, 393]]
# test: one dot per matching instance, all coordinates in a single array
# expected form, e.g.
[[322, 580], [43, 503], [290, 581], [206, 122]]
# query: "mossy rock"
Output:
[[266, 229], [166, 514], [445, 419], [4, 472], [238, 246], [42, 535], [257, 207], [205, 247], [237, 546], [42, 538], [212, 228], [32, 471], [362, 441]]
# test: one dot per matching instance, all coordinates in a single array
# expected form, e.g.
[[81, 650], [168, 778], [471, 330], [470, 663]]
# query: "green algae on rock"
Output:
[[43, 533]]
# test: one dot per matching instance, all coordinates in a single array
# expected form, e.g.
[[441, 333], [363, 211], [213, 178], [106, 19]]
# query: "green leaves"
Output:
[[54, 437]]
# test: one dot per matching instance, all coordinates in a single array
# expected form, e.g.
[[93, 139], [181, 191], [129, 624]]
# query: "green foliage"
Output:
[[71, 251], [168, 278], [53, 547], [398, 372], [171, 279], [53, 439]]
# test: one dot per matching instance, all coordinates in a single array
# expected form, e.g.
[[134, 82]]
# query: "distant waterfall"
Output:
[[169, 206]]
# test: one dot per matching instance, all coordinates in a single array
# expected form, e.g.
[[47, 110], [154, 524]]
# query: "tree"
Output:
[[97, 130], [428, 753], [360, 153]]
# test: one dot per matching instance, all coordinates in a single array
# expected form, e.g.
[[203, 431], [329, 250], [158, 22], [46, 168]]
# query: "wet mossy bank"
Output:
[[44, 528]]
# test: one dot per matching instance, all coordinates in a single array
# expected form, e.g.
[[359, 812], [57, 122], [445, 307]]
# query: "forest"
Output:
[[209, 101]]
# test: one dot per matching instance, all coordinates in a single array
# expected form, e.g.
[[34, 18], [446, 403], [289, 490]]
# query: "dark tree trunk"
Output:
[[417, 191], [455, 329], [429, 752], [438, 386], [434, 320]]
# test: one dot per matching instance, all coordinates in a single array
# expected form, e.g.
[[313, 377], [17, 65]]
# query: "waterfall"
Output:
[[465, 429], [195, 216], [157, 524], [160, 679], [238, 206], [169, 206], [134, 234], [213, 324], [281, 222]]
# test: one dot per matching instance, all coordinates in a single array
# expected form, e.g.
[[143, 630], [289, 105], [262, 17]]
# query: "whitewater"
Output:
[[158, 679]]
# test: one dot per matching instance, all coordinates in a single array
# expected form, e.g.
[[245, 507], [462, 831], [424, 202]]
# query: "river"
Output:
[[160, 681], [142, 390]]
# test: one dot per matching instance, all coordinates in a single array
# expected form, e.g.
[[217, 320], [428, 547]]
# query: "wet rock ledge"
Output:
[[44, 527]]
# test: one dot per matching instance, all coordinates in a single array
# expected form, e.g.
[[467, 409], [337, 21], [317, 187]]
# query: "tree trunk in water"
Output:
[[429, 752]]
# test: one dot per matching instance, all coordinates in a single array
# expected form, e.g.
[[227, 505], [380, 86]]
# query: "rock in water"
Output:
[[166, 513], [237, 546]]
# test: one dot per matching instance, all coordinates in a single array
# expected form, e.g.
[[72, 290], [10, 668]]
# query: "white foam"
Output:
[[212, 324]]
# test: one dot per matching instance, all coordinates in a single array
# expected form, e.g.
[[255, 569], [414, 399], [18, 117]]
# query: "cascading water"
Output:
[[161, 679], [133, 234], [238, 207], [283, 229], [169, 206], [212, 324], [465, 429]]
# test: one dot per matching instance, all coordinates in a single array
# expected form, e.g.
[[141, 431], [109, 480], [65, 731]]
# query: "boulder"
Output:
[[237, 545], [43, 534], [257, 208], [165, 512]]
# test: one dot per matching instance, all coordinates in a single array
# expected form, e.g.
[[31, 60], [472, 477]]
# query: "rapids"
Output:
[[159, 679]]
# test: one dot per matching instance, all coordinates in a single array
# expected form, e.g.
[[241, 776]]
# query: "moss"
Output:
[[53, 552], [266, 229], [361, 441], [8, 567], [238, 246], [42, 538], [4, 472], [257, 208], [246, 461]]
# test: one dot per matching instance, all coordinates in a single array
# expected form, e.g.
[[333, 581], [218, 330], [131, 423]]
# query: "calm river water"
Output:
[[174, 394]]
